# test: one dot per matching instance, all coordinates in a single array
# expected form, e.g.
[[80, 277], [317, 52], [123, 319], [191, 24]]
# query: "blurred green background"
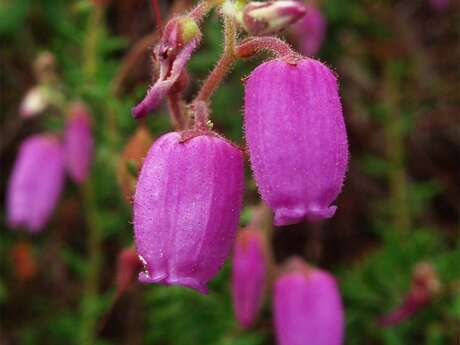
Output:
[[398, 66]]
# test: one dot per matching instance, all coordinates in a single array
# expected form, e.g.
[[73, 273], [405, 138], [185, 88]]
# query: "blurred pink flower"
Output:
[[35, 183], [307, 306], [439, 5], [310, 31], [248, 275], [78, 142]]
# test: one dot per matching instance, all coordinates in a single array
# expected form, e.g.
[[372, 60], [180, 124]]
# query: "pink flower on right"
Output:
[[296, 137], [307, 306], [309, 31]]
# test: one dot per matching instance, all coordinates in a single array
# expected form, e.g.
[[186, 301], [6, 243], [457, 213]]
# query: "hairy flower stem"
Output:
[[201, 115], [255, 45], [203, 8], [223, 66]]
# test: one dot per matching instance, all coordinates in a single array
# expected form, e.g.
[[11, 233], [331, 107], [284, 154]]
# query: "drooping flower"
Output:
[[248, 276], [425, 285], [296, 137], [186, 208], [180, 37], [131, 160], [263, 18], [35, 182], [78, 142], [310, 31], [307, 306]]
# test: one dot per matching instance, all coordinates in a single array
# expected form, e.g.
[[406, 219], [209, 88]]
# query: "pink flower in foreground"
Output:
[[310, 31], [307, 306], [296, 138], [36, 182], [248, 276], [78, 143], [186, 208]]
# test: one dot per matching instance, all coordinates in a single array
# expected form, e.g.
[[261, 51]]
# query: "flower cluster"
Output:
[[189, 192]]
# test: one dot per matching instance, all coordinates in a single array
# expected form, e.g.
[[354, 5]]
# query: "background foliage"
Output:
[[398, 66]]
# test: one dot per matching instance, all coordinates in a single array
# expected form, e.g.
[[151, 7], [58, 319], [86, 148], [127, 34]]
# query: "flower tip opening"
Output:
[[164, 279], [290, 216]]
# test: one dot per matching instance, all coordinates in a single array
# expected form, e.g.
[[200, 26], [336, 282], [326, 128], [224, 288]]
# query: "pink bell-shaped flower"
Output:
[[296, 137], [307, 306], [186, 208], [35, 183], [78, 143], [248, 276]]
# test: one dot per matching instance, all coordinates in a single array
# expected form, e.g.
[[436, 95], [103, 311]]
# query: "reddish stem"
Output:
[[255, 45], [226, 61], [156, 10], [200, 11]]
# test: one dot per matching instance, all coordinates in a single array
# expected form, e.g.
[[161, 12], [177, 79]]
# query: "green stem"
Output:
[[394, 147], [92, 39], [89, 312]]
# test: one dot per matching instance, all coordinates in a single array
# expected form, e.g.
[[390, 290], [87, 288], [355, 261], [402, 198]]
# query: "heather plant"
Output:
[[211, 196]]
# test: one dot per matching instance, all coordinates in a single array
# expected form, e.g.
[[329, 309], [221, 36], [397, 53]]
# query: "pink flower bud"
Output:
[[34, 102], [263, 18], [310, 31], [296, 137], [78, 143], [180, 38], [35, 183], [248, 276], [307, 306], [186, 208]]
